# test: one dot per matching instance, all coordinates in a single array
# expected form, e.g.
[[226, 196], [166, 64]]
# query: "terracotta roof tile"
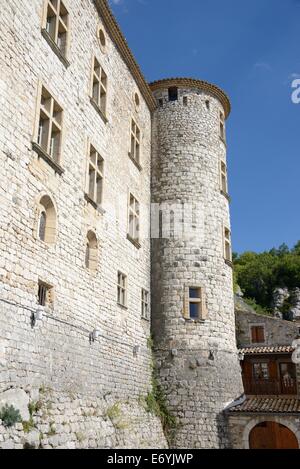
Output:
[[262, 349], [268, 405]]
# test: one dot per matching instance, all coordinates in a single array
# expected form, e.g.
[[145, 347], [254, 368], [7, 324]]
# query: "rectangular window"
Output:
[[145, 305], [45, 294], [224, 181], [257, 334], [95, 176], [122, 289], [134, 218], [57, 24], [261, 371], [222, 126], [50, 126], [195, 303], [227, 245], [99, 86], [173, 93], [135, 142]]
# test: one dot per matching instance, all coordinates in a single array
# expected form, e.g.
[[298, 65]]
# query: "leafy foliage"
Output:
[[259, 274], [10, 416]]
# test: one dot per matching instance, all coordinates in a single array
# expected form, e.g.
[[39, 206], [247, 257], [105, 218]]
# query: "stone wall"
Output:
[[197, 360], [56, 354]]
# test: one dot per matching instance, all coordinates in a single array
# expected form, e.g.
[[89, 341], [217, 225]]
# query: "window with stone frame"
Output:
[[145, 304], [50, 126], [222, 127], [257, 334], [224, 178], [45, 295], [227, 245], [122, 289], [134, 219], [99, 87], [95, 172], [57, 24], [91, 253], [195, 303], [135, 147], [47, 220]]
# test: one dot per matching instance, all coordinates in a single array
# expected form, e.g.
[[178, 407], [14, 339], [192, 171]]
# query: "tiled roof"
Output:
[[274, 349], [268, 405]]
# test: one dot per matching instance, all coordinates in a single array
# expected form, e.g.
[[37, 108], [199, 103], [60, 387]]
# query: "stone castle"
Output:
[[90, 154]]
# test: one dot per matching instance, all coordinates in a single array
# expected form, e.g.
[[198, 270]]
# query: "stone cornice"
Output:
[[123, 48], [192, 83]]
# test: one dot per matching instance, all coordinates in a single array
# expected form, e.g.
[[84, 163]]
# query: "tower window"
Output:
[[185, 101], [50, 126], [161, 102], [122, 289], [173, 94], [145, 305], [222, 126], [224, 181], [227, 245], [207, 104], [195, 303]]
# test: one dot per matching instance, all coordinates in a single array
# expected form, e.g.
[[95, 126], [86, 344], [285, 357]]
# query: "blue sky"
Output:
[[251, 49]]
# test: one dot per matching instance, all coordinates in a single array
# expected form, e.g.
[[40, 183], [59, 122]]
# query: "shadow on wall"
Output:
[[223, 431]]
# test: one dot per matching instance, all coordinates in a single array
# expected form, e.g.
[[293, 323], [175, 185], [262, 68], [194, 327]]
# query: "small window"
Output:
[[222, 126], [227, 245], [135, 142], [137, 100], [160, 102], [195, 303], [134, 218], [224, 181], [261, 371], [47, 223], [145, 305], [185, 101], [173, 94], [57, 24], [257, 334], [99, 87], [95, 177], [207, 104], [50, 126], [102, 39], [45, 294], [91, 253], [122, 289]]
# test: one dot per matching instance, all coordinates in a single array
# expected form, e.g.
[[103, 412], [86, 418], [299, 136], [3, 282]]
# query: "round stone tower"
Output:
[[192, 290]]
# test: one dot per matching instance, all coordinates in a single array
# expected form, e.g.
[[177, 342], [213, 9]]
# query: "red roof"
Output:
[[268, 405]]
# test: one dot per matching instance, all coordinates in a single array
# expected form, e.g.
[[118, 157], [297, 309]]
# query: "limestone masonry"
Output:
[[89, 154]]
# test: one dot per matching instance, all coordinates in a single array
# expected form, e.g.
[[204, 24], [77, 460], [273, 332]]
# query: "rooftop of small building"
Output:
[[267, 405], [258, 350]]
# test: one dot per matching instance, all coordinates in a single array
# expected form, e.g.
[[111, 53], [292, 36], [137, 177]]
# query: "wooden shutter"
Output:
[[253, 335], [260, 334]]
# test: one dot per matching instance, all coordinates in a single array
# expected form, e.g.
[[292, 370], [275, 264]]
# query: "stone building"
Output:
[[268, 416], [77, 158]]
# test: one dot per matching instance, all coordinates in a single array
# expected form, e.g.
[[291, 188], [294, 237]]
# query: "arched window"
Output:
[[47, 220], [91, 252]]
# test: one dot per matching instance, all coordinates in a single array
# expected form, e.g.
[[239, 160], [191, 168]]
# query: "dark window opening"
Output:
[[161, 102], [207, 103], [43, 294], [185, 101], [173, 94]]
